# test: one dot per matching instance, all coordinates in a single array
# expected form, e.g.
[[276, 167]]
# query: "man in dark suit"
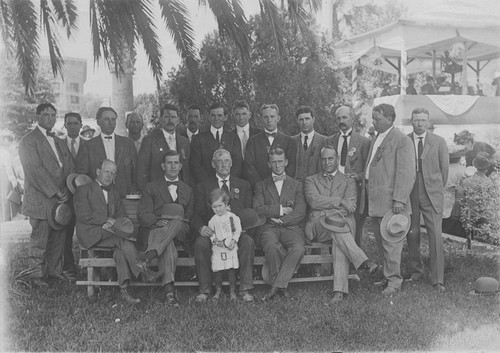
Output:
[[46, 162], [353, 151], [193, 120], [427, 197], [108, 145], [308, 144], [242, 114], [134, 124], [240, 196], [280, 199], [389, 178], [206, 143], [154, 147], [159, 232], [73, 125], [98, 205], [258, 147]]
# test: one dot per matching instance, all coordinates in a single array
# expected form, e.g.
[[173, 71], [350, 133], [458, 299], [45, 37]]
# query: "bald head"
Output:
[[345, 118]]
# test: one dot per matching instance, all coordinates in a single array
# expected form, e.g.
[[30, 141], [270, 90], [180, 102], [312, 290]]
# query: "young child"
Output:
[[227, 230]]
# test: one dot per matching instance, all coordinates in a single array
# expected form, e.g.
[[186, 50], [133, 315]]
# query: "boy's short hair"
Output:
[[217, 194]]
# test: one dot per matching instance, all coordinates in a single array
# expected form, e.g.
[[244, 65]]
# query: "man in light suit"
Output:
[[108, 145], [97, 206], [389, 178], [353, 151], [256, 155], [206, 143], [280, 199], [327, 193], [240, 195], [427, 197], [46, 162], [160, 233], [241, 115], [308, 145], [154, 147]]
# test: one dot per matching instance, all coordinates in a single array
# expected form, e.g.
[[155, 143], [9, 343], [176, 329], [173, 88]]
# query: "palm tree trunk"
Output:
[[122, 97]]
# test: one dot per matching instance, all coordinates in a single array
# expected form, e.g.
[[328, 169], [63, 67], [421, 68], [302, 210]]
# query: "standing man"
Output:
[[162, 232], [353, 151], [257, 167], [193, 118], [280, 199], [389, 178], [206, 143], [308, 144], [332, 198], [155, 145], [427, 197], [98, 206], [134, 125], [242, 114], [240, 195], [73, 124], [108, 145], [46, 162]]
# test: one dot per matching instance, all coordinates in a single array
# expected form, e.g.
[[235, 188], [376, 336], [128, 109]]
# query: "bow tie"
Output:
[[107, 188], [329, 176], [279, 177], [271, 134], [175, 183], [50, 133], [108, 137]]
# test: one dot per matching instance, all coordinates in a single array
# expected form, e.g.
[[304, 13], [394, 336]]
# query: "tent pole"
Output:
[[403, 80], [464, 70], [434, 63]]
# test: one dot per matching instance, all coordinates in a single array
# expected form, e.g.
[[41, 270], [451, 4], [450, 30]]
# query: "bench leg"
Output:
[[91, 271]]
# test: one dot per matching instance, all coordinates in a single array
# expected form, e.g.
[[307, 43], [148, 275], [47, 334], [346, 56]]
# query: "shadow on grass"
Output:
[[62, 318]]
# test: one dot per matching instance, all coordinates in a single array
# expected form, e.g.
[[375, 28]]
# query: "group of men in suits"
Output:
[[346, 177]]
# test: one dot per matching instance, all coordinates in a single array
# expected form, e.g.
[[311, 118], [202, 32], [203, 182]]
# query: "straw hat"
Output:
[[74, 180], [394, 227], [86, 128], [58, 214]]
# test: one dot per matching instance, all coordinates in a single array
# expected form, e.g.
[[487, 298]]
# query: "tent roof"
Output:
[[436, 29]]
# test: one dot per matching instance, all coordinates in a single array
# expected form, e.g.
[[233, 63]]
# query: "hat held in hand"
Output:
[[123, 228], [394, 227], [172, 211], [58, 214], [250, 219], [74, 180]]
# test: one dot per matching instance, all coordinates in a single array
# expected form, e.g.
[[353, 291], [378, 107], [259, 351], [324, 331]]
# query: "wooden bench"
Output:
[[95, 259]]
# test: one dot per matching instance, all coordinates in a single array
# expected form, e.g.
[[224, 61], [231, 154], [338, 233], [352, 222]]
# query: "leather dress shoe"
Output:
[[283, 292], [201, 298], [390, 291], [70, 275], [125, 295], [415, 276], [273, 293], [246, 296], [171, 299], [382, 283], [439, 288], [218, 293], [337, 297], [371, 267]]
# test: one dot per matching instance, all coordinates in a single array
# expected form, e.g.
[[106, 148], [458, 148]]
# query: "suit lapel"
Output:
[[99, 193], [338, 180], [325, 182], [427, 145], [164, 193], [161, 143], [100, 150], [46, 145], [273, 192]]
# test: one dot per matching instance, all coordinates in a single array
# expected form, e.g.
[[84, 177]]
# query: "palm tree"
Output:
[[119, 26]]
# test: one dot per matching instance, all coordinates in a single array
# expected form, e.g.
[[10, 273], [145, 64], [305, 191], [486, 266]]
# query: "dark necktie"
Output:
[[224, 187], [420, 149], [329, 176], [175, 183], [271, 134], [343, 151], [305, 142], [108, 137], [217, 137], [279, 177], [50, 133], [107, 188], [73, 149]]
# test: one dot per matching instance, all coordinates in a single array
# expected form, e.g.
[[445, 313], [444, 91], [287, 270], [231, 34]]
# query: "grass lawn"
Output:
[[62, 318]]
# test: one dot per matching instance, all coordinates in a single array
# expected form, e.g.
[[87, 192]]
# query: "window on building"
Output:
[[74, 87], [75, 100]]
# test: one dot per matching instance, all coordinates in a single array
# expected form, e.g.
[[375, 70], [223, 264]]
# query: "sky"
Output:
[[99, 78]]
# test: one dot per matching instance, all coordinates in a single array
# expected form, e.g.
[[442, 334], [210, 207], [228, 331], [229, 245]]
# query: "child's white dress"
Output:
[[222, 257]]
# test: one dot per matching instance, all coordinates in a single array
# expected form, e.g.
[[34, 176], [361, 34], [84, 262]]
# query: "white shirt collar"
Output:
[[214, 131], [103, 135], [167, 134], [273, 174], [189, 133], [219, 179], [241, 130], [384, 134], [172, 181], [77, 139], [310, 135], [43, 130], [347, 133], [270, 132], [416, 137]]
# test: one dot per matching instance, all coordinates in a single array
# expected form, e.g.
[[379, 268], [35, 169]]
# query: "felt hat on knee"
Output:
[[250, 219], [58, 214], [74, 180], [123, 228], [171, 211], [335, 221], [485, 286], [394, 227]]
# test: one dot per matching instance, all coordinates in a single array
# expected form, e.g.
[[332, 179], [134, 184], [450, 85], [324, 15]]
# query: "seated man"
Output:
[[97, 207], [332, 198], [280, 199], [157, 198], [240, 197]]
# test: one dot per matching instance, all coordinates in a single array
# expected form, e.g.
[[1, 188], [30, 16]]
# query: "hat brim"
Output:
[[121, 234], [260, 222], [84, 131], [70, 181], [265, 273], [51, 210], [482, 294], [169, 218], [343, 229], [383, 227]]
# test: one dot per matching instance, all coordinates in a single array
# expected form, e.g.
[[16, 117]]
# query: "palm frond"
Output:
[[299, 17], [270, 11], [48, 23], [66, 13], [6, 26], [176, 17]]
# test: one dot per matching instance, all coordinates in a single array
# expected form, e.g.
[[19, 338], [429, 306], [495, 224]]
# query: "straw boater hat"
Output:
[[250, 219], [86, 128], [124, 228], [485, 286], [58, 214], [74, 180], [172, 211], [394, 227]]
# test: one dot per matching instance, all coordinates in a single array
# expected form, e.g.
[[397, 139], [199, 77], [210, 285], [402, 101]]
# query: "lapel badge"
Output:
[[236, 193], [351, 152]]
